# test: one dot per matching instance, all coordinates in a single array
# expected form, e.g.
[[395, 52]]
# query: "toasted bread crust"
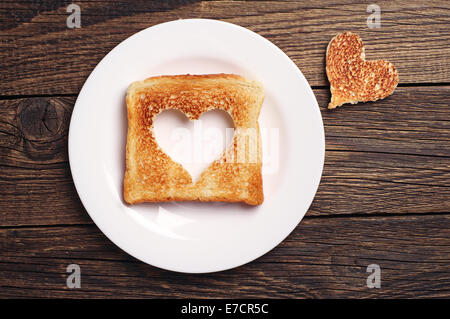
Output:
[[352, 78], [152, 176]]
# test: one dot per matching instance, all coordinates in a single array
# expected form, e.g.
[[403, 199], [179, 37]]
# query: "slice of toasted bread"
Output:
[[352, 78], [151, 175]]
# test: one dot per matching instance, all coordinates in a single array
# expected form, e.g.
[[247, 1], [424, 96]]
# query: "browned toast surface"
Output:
[[151, 175], [352, 78]]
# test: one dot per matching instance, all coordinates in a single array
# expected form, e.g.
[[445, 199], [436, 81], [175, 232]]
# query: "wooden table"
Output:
[[384, 197]]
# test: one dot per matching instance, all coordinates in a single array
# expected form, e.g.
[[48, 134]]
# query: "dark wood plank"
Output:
[[35, 178], [40, 55], [321, 258], [362, 183], [412, 121], [365, 171]]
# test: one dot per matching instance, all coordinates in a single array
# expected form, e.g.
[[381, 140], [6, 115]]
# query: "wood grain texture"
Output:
[[40, 55], [414, 120], [35, 177], [384, 196], [386, 158], [321, 258]]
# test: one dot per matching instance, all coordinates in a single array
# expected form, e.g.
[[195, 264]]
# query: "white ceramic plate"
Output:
[[188, 236]]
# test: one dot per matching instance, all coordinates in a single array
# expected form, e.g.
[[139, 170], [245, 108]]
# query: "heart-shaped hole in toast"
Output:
[[352, 78], [194, 144]]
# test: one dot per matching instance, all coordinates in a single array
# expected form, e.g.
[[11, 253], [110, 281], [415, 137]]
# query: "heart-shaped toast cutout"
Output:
[[352, 78], [194, 144]]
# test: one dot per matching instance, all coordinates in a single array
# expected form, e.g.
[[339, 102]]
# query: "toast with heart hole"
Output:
[[152, 176], [352, 78]]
